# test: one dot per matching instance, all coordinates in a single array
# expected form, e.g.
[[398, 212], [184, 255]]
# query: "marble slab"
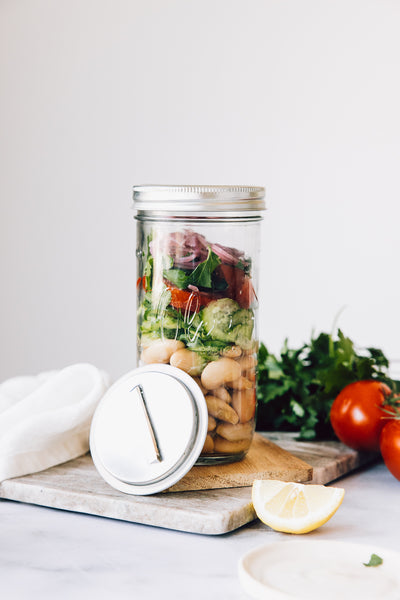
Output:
[[77, 486]]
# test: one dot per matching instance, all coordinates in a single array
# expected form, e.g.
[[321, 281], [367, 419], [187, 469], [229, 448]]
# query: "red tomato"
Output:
[[390, 446], [188, 300], [246, 295], [240, 287], [233, 276], [356, 415]]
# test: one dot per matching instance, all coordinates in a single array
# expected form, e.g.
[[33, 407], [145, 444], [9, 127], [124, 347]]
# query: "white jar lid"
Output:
[[149, 429], [197, 200]]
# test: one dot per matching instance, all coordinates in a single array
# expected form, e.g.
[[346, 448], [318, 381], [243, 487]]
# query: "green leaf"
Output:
[[364, 368], [374, 561], [378, 357], [262, 353], [297, 409], [148, 267], [274, 370], [307, 434], [244, 266], [178, 277], [276, 390], [218, 283], [344, 349], [167, 262], [200, 276]]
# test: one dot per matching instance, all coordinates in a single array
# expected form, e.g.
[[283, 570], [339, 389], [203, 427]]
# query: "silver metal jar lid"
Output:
[[149, 429], [198, 199]]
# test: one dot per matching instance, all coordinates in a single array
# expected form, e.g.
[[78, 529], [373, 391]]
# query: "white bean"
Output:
[[227, 447], [244, 403], [218, 372], [221, 410], [241, 383], [212, 423], [232, 351], [160, 351], [234, 433], [208, 447], [223, 394], [187, 360]]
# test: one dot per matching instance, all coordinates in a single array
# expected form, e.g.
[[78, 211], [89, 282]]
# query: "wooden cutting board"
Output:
[[264, 460], [77, 486], [329, 459]]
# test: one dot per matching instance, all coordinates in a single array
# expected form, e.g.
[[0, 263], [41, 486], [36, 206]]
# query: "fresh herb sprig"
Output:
[[201, 276], [374, 561], [296, 389]]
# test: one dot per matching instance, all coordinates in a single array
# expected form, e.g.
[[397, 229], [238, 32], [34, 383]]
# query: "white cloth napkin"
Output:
[[45, 420]]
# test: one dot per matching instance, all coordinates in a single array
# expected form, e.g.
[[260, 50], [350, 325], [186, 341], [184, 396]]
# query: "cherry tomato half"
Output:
[[188, 300], [390, 446], [356, 415]]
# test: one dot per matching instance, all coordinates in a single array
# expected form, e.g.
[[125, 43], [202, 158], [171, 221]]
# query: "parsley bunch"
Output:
[[296, 389]]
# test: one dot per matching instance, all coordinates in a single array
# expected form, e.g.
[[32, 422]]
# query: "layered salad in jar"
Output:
[[196, 312]]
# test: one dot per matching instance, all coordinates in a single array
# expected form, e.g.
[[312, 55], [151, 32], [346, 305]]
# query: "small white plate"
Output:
[[319, 569]]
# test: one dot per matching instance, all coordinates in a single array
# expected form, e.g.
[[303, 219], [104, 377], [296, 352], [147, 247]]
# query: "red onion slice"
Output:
[[188, 249]]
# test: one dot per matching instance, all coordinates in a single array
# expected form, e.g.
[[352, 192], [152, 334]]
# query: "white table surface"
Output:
[[47, 553]]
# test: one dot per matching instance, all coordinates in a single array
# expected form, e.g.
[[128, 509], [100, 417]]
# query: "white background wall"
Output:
[[98, 95]]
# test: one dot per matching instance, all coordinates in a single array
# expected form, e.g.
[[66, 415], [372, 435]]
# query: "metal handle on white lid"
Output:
[[140, 393]]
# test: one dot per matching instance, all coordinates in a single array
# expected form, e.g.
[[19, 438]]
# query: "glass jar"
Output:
[[197, 279]]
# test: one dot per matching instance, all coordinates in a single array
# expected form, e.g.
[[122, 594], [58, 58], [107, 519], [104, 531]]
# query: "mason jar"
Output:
[[197, 300]]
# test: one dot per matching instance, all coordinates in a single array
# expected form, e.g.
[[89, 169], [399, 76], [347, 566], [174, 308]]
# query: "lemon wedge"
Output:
[[294, 507]]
